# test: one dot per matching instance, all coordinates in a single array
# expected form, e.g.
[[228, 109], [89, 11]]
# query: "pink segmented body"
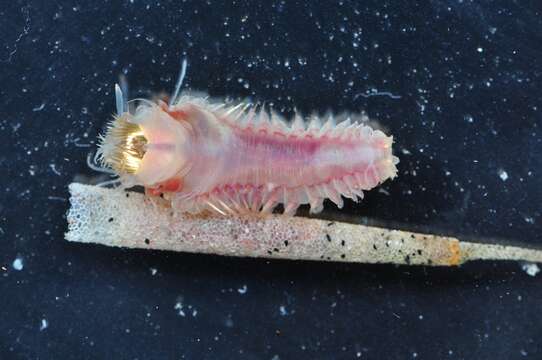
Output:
[[242, 160]]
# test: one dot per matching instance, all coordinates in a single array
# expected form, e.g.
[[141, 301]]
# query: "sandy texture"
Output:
[[126, 219]]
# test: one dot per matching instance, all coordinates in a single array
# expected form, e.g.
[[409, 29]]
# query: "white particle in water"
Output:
[[44, 324], [18, 264], [242, 290], [531, 269], [229, 322], [179, 308], [503, 175], [39, 108], [54, 169]]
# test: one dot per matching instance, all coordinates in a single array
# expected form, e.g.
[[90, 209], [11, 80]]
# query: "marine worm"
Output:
[[203, 155]]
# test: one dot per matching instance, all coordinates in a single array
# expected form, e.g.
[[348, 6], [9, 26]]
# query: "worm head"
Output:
[[148, 146]]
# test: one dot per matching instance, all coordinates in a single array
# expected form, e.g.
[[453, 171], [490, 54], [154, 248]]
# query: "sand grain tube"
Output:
[[115, 217]]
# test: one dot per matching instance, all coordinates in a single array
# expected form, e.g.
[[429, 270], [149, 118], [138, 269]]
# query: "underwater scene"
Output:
[[270, 179]]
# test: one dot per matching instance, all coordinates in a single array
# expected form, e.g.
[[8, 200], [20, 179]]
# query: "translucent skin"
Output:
[[234, 161], [168, 146]]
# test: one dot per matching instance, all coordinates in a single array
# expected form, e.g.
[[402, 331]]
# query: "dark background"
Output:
[[469, 79]]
